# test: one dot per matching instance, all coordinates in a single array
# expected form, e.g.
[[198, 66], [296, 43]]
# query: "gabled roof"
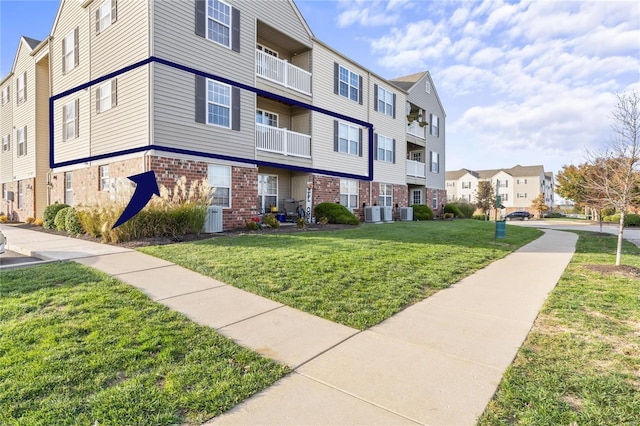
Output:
[[457, 174], [525, 170], [32, 42], [408, 82], [515, 171]]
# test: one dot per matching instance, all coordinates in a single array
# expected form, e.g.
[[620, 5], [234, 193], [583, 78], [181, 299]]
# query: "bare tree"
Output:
[[615, 172]]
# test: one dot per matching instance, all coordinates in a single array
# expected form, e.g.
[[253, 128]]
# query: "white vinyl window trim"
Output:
[[416, 196], [69, 51], [218, 104], [219, 22], [267, 118], [6, 143], [435, 123], [20, 88], [349, 193], [349, 84], [385, 101], [21, 141], [70, 117], [386, 194], [104, 178], [267, 192], [104, 97], [219, 178], [385, 149], [5, 95], [348, 139], [104, 16]]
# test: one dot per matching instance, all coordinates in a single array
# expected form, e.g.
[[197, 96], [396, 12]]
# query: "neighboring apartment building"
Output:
[[425, 141], [272, 149], [517, 186]]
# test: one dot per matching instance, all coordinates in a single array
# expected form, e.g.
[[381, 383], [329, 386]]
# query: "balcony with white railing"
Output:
[[282, 141], [416, 169], [282, 72], [414, 129]]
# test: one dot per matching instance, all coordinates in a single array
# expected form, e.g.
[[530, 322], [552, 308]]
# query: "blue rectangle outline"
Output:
[[52, 99]]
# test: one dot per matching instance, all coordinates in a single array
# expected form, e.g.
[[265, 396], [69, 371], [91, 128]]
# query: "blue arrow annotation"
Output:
[[151, 59], [146, 186]]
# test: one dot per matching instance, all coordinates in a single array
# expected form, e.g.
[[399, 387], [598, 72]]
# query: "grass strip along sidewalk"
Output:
[[357, 277], [580, 364], [78, 347]]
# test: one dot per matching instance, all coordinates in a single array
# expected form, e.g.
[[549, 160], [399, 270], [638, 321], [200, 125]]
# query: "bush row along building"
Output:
[[517, 186], [271, 149]]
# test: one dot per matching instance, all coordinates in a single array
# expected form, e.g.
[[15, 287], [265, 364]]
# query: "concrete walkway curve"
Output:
[[437, 362]]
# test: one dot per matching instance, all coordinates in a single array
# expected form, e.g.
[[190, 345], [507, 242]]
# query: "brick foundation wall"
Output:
[[442, 200], [10, 208]]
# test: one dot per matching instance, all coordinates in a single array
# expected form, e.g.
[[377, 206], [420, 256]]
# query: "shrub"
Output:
[[30, 220], [631, 219], [479, 217], [467, 209], [4, 218], [323, 221], [608, 211], [453, 209], [72, 223], [252, 225], [448, 215], [336, 213], [38, 222], [422, 212], [91, 221], [50, 213], [60, 219], [300, 223], [271, 220]]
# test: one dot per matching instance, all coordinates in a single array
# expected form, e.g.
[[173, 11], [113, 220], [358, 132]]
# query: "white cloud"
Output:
[[369, 13]]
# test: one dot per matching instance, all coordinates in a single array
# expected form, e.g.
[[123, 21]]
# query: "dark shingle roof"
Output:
[[32, 42]]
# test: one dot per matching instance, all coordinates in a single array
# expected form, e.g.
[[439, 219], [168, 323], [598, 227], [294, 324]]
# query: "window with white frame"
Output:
[[267, 118], [349, 86], [219, 22], [20, 195], [416, 196], [434, 201], [385, 149], [218, 104], [428, 86], [68, 188], [385, 101], [349, 193], [449, 184], [386, 194], [5, 94], [416, 156], [521, 195], [267, 192], [219, 178], [466, 185], [435, 123], [4, 191], [6, 143], [105, 15], [521, 181], [21, 141], [435, 162], [106, 96], [267, 50], [348, 139], [505, 197], [70, 118], [68, 51], [21, 92], [104, 177]]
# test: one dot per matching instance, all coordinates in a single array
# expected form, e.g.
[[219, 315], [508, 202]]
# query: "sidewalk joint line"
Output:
[[190, 292], [358, 332], [252, 316]]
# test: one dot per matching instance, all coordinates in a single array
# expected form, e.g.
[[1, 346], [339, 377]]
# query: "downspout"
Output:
[[369, 121], [50, 172], [146, 159]]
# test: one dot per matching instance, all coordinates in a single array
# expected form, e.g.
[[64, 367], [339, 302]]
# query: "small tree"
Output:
[[539, 204], [485, 196]]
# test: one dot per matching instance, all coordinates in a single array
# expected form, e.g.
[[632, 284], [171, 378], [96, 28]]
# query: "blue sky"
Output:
[[521, 82]]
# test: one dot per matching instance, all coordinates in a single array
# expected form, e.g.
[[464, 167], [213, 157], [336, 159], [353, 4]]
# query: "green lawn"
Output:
[[78, 347], [580, 364], [357, 277]]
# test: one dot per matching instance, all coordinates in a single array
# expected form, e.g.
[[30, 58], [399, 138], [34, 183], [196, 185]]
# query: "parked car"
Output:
[[518, 215], [3, 242]]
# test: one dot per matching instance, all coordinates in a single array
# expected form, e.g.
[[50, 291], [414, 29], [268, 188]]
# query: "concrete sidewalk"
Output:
[[437, 362]]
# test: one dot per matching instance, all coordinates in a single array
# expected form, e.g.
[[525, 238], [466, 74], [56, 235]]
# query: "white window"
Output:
[[428, 86], [21, 141], [267, 118], [466, 185], [416, 156], [386, 194], [267, 192], [219, 22], [348, 139], [349, 86], [106, 97], [385, 101], [70, 116], [435, 162], [68, 189], [68, 49], [105, 15], [20, 195], [4, 191], [6, 143], [416, 196], [349, 193], [519, 181], [219, 178], [385, 149], [5, 95], [20, 88], [104, 177], [521, 195], [218, 104], [451, 184], [435, 123], [267, 50], [434, 201], [505, 197]]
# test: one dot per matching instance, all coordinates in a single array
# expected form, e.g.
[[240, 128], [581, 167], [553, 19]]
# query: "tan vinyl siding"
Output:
[[24, 115], [42, 135], [174, 118], [125, 125], [284, 183], [279, 15], [429, 101], [322, 152], [6, 128]]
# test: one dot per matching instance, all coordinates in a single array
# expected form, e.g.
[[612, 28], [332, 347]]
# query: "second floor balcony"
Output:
[[416, 169], [282, 141], [416, 130], [282, 72]]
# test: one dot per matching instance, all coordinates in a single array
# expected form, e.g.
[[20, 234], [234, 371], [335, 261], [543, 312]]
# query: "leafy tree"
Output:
[[485, 196], [539, 204], [571, 184]]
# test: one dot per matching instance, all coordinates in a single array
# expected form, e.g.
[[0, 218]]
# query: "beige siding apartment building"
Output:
[[517, 186], [257, 149]]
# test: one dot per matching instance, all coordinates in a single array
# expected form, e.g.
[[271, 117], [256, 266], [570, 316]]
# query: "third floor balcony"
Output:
[[282, 72]]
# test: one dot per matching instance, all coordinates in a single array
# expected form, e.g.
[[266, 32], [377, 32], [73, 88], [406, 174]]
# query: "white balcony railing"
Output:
[[414, 129], [416, 169], [282, 72], [282, 141]]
